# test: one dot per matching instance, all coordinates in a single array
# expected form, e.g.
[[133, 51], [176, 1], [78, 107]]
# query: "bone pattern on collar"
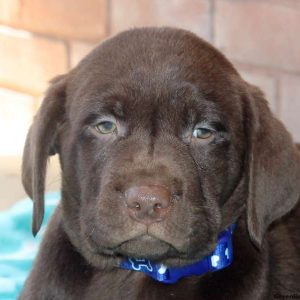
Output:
[[219, 259]]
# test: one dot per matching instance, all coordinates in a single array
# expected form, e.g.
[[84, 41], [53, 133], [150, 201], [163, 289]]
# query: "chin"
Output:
[[144, 247]]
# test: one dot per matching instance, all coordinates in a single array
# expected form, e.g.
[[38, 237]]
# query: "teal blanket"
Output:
[[17, 245]]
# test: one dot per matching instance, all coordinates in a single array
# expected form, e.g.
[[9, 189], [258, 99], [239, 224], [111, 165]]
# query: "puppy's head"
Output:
[[162, 145]]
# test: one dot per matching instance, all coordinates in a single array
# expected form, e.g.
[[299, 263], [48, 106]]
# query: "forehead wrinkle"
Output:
[[94, 109]]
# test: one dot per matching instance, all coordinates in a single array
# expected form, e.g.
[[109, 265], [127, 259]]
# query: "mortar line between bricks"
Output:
[[265, 68], [32, 33], [21, 9], [277, 97], [15, 88], [212, 14], [68, 53], [270, 2], [47, 36], [108, 17]]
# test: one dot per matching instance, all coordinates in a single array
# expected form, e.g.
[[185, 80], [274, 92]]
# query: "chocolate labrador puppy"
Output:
[[167, 156]]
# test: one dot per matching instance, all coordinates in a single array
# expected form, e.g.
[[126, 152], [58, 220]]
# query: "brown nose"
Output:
[[148, 203]]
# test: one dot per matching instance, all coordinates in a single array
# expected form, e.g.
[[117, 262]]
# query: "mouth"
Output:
[[151, 248], [145, 246]]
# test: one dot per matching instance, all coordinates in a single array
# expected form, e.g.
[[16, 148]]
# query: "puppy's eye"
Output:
[[202, 133], [106, 127]]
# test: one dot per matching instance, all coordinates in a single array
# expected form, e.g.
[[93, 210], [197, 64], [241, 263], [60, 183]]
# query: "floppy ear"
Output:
[[40, 143], [273, 167]]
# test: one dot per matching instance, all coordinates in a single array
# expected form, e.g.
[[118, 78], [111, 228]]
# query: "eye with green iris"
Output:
[[106, 127], [202, 133]]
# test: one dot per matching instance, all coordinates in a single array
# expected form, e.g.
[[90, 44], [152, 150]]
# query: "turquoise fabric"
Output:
[[17, 245]]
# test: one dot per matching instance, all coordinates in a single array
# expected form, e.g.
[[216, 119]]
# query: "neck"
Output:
[[219, 259]]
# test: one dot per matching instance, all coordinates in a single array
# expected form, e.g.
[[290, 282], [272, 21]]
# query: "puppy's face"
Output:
[[151, 147], [162, 145]]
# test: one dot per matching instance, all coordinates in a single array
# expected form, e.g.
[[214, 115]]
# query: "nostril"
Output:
[[157, 206], [148, 203], [136, 206]]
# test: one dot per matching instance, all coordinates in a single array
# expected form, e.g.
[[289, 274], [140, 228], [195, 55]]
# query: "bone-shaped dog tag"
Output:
[[139, 263]]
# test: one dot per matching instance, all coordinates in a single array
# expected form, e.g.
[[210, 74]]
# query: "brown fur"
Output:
[[158, 84]]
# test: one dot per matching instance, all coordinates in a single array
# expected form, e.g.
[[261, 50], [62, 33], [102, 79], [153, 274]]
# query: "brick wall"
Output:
[[40, 39]]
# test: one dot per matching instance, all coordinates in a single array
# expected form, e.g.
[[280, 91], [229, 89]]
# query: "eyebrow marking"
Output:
[[118, 109], [153, 131]]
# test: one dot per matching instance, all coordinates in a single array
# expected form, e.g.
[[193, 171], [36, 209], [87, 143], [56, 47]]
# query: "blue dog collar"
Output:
[[219, 259]]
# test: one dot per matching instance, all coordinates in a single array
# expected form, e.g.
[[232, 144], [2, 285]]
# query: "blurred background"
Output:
[[40, 39]]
